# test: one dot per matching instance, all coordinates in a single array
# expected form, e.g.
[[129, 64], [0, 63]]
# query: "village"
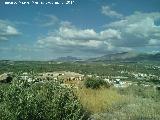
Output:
[[68, 78]]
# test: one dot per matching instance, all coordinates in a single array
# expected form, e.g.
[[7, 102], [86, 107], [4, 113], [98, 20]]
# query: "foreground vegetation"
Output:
[[97, 101], [50, 101], [41, 101], [134, 103], [93, 100], [131, 103]]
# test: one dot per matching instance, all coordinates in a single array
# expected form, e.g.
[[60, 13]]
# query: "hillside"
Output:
[[67, 59], [127, 56]]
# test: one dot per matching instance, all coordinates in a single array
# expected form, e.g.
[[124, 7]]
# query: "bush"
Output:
[[40, 101], [95, 83]]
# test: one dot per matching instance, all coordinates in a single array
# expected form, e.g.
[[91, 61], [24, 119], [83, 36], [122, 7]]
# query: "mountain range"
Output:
[[114, 57], [67, 59], [127, 56]]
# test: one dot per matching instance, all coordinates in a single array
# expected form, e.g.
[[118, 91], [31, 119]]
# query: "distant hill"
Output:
[[6, 62], [68, 59], [128, 56]]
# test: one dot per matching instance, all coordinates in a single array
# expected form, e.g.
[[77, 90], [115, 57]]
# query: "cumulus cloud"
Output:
[[110, 33], [137, 30], [77, 34], [7, 30], [106, 10], [133, 32], [154, 42], [68, 37], [11, 30]]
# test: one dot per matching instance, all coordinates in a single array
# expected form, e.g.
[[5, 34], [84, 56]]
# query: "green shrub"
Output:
[[95, 83], [40, 101]]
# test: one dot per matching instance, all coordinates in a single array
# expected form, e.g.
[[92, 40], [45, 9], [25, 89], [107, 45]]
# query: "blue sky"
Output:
[[87, 28]]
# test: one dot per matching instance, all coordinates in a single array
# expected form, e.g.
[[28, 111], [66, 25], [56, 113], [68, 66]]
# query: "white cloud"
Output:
[[7, 30], [110, 33], [77, 34], [47, 20], [50, 21], [137, 30], [131, 33], [71, 37], [106, 10], [154, 42], [11, 30]]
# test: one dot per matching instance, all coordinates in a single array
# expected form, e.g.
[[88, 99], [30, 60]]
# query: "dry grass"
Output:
[[98, 100], [131, 108]]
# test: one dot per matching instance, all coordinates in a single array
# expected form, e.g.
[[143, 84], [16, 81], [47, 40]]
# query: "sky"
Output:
[[81, 28]]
